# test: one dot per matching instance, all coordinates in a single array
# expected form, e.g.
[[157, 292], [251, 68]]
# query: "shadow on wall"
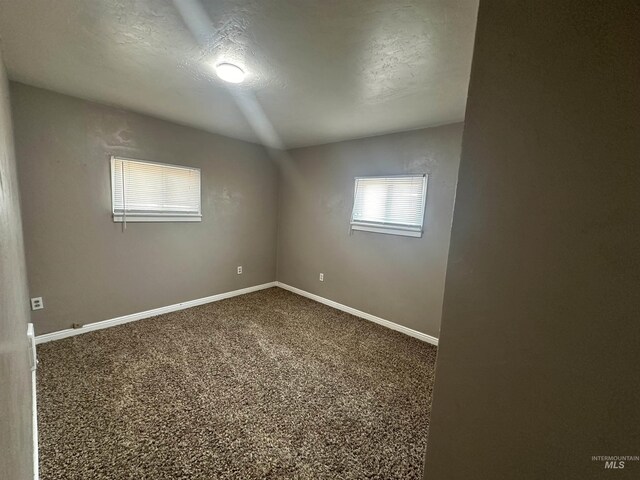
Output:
[[16, 440], [537, 371]]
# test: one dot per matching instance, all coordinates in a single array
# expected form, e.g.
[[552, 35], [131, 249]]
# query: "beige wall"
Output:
[[81, 263], [400, 279], [16, 444], [540, 347]]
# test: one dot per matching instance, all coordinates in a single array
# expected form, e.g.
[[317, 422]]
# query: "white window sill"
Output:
[[134, 219], [388, 230]]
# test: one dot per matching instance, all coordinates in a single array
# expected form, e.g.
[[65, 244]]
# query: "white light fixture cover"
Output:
[[230, 73]]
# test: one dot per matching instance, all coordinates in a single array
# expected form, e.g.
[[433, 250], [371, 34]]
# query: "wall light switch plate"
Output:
[[322, 277], [240, 270], [37, 303]]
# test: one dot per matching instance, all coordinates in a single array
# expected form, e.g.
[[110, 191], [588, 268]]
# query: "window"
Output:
[[144, 191], [393, 205]]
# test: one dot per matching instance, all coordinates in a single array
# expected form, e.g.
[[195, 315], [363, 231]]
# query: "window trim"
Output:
[[151, 216], [390, 228], [159, 218]]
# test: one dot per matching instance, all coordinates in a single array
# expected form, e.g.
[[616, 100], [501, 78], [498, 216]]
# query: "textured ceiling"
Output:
[[318, 70]]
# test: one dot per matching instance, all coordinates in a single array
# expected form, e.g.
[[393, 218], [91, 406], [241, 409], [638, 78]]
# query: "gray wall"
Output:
[[539, 353], [400, 279], [16, 444], [81, 263]]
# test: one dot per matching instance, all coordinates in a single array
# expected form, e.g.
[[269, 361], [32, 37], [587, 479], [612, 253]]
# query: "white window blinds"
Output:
[[392, 205], [144, 191]]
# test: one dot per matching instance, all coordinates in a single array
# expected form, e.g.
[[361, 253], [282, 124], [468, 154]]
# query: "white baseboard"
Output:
[[367, 316], [70, 332], [34, 426], [34, 404]]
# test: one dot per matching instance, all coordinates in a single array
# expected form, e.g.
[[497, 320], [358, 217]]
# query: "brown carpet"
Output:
[[268, 385]]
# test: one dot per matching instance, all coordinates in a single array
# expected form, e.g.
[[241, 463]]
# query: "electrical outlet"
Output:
[[240, 270], [37, 303], [322, 277]]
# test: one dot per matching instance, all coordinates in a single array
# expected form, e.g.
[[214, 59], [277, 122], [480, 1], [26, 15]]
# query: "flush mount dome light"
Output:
[[230, 73]]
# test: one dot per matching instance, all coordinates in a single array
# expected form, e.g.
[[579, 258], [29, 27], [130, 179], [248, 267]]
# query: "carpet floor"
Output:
[[268, 385]]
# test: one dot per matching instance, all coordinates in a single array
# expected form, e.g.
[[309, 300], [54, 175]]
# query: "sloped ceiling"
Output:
[[317, 71]]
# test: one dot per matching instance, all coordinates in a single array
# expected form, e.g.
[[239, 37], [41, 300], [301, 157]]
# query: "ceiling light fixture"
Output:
[[230, 73]]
